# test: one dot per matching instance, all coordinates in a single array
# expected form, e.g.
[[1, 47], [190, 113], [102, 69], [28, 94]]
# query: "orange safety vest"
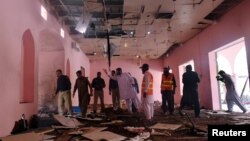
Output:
[[150, 87], [167, 82]]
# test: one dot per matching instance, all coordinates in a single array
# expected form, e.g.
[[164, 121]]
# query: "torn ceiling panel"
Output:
[[140, 21]]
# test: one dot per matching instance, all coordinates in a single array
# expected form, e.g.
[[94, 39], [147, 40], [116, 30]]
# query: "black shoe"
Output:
[[229, 111]]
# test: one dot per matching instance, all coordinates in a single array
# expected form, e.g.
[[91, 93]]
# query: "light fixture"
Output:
[[169, 27], [62, 32], [44, 13], [125, 44]]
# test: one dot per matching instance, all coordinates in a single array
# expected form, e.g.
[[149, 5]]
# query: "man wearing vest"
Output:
[[147, 93], [168, 85]]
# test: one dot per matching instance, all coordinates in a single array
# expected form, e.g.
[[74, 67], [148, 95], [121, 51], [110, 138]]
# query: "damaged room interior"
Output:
[[123, 70]]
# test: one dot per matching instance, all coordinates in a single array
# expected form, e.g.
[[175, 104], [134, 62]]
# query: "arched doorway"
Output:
[[28, 62]]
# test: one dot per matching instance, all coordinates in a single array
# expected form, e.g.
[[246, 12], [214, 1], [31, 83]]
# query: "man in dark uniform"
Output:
[[98, 84], [190, 96], [82, 84], [63, 91], [114, 90]]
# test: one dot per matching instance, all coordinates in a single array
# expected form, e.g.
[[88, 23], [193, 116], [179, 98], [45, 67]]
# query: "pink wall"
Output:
[[51, 57], [13, 25], [128, 66], [234, 25], [51, 53], [47, 77]]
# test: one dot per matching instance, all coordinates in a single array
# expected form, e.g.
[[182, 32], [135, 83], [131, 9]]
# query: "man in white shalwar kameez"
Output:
[[126, 90], [231, 94], [147, 98]]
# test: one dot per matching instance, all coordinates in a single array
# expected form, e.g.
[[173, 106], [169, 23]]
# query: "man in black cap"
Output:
[[231, 94], [168, 85], [147, 98]]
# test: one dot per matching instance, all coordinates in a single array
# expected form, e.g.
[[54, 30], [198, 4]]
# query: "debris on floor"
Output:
[[119, 125]]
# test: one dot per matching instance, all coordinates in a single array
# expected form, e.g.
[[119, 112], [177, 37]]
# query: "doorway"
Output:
[[232, 59]]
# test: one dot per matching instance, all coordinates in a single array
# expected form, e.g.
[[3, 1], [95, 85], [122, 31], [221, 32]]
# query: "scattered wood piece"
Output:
[[166, 126], [23, 137], [105, 135], [66, 121]]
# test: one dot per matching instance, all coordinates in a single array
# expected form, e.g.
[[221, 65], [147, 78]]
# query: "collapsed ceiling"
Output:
[[145, 29]]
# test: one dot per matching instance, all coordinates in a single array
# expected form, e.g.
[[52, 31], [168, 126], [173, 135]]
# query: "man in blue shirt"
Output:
[[114, 90], [98, 84], [63, 91]]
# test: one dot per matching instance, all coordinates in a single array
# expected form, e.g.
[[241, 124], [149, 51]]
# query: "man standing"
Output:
[[231, 94], [98, 84], [135, 85], [63, 91], [147, 92], [190, 80], [114, 90], [168, 85], [82, 84], [136, 88], [126, 90]]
